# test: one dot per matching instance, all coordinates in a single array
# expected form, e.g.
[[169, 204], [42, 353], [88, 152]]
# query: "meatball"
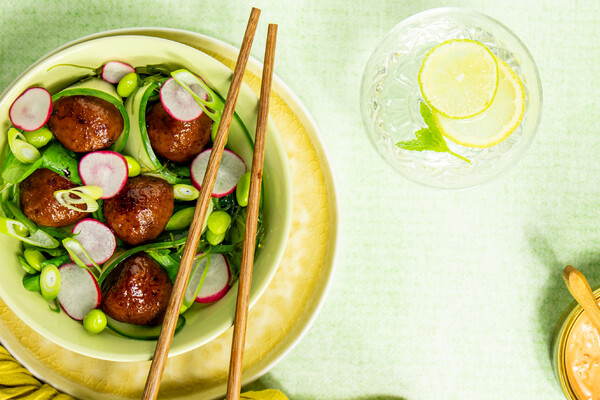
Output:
[[85, 123], [177, 141], [38, 202], [140, 211], [137, 291]]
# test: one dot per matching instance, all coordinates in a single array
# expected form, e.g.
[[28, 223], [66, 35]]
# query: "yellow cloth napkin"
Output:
[[16, 382]]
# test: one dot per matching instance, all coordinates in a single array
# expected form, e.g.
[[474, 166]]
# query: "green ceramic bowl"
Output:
[[204, 322]]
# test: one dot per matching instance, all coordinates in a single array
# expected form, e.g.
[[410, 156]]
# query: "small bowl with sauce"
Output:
[[576, 353]]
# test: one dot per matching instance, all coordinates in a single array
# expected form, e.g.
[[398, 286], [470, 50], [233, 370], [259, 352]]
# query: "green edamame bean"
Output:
[[214, 238], [21, 230], [94, 321], [28, 268], [127, 85], [50, 282], [34, 258], [39, 137], [218, 222], [31, 282], [133, 166], [181, 219], [242, 190]]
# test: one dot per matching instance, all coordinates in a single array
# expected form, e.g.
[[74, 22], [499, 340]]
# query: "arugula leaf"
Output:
[[429, 138]]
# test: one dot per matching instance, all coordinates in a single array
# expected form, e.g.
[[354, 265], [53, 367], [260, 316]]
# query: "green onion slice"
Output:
[[50, 282], [185, 192], [16, 229], [23, 151], [213, 106], [76, 250], [80, 195]]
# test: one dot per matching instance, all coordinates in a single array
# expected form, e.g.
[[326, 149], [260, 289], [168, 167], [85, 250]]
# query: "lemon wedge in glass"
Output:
[[497, 122], [458, 78]]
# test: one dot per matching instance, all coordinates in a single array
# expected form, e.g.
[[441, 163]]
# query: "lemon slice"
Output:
[[497, 122], [458, 78]]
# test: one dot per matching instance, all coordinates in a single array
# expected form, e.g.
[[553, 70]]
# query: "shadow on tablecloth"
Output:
[[554, 295]]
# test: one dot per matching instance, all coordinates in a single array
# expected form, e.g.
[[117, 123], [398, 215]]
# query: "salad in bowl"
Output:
[[106, 146]]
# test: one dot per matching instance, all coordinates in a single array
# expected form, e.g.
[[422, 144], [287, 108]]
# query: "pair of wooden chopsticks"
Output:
[[239, 334]]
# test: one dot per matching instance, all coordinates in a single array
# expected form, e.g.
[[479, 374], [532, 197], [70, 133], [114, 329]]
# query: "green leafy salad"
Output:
[[99, 183]]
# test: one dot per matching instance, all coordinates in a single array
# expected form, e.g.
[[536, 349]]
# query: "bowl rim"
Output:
[[274, 137]]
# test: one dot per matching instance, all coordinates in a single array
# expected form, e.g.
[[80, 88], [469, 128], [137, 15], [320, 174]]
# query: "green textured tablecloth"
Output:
[[437, 294]]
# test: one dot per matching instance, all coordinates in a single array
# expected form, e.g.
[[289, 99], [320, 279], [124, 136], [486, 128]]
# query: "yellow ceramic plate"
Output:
[[283, 313], [204, 322]]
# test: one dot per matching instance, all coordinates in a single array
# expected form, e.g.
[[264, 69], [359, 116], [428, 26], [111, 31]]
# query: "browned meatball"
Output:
[[38, 202], [137, 291], [85, 123], [178, 141], [140, 211]]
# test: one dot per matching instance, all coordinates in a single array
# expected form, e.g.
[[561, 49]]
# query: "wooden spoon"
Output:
[[581, 291]]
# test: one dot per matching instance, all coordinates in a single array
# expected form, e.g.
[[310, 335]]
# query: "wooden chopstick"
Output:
[[168, 328], [241, 312]]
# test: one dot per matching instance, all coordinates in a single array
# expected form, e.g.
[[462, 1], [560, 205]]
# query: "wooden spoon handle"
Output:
[[581, 291]]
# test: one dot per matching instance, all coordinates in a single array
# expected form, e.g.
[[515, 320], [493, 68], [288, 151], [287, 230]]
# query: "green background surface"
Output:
[[436, 294]]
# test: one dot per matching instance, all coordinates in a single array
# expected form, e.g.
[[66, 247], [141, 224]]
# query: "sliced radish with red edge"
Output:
[[32, 109], [114, 71], [216, 282], [107, 169], [230, 171], [97, 240], [79, 291], [179, 103]]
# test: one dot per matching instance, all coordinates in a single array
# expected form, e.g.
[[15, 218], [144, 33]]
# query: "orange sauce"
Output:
[[583, 359]]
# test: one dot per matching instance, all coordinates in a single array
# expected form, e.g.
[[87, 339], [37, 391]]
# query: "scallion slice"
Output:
[[23, 151], [80, 195]]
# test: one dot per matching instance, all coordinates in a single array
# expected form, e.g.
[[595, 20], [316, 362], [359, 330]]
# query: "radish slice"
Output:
[[230, 171], [79, 291], [97, 240], [32, 109], [215, 284], [107, 169], [114, 71], [179, 103]]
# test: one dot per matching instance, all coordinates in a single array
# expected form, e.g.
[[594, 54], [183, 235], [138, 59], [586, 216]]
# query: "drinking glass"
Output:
[[390, 98]]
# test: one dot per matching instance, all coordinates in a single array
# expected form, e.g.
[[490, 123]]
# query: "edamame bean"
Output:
[[133, 166], [31, 282], [181, 219], [214, 238], [218, 222], [28, 268], [50, 282], [127, 85], [39, 137], [34, 258], [185, 192], [242, 190], [94, 321], [21, 230]]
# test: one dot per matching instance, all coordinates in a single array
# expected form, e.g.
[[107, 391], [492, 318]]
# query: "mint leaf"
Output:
[[429, 138]]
